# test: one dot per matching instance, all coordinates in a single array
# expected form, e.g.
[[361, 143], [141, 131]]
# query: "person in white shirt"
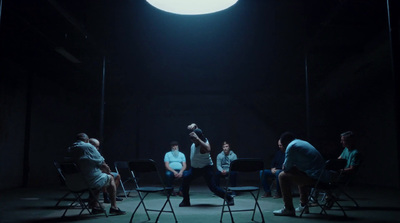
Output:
[[201, 165], [175, 165]]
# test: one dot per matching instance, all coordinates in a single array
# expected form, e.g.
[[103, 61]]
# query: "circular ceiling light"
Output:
[[192, 7]]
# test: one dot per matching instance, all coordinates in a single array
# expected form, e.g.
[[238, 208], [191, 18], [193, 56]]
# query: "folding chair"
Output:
[[122, 168], [76, 184], [335, 167], [57, 165], [248, 167], [148, 168]]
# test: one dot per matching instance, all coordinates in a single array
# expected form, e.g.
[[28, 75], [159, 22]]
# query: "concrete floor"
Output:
[[37, 205]]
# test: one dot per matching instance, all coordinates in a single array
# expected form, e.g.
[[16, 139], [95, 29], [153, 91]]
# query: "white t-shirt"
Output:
[[197, 159], [175, 162]]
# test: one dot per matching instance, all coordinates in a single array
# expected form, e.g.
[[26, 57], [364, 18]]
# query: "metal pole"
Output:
[[307, 97], [102, 101]]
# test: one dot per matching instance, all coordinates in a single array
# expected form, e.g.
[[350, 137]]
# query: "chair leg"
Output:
[[62, 198]]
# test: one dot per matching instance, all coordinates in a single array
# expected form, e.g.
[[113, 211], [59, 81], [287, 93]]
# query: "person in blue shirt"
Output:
[[303, 166], [175, 165], [350, 153], [276, 169]]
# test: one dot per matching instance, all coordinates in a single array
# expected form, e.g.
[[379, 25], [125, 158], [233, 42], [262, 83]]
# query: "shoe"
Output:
[[118, 199], [300, 208], [184, 204], [284, 212], [268, 194], [277, 196], [172, 194], [117, 211], [180, 194], [97, 211], [106, 198], [231, 202]]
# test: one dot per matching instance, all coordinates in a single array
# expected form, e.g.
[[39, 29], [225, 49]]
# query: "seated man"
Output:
[[224, 160], [276, 169], [350, 153], [302, 166], [106, 169], [175, 164], [89, 161]]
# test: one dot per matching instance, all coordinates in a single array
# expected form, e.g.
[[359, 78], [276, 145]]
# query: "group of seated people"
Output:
[[296, 162]]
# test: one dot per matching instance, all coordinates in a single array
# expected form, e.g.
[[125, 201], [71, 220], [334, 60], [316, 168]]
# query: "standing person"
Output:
[[106, 169], [224, 159], [201, 165], [350, 153], [302, 166], [89, 161], [276, 169], [175, 165]]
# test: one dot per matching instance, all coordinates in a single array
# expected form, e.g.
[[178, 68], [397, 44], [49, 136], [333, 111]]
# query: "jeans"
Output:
[[266, 180], [169, 179], [208, 174]]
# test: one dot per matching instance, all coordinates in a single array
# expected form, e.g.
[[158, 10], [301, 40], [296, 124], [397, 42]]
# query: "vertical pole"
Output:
[[102, 101], [307, 96], [394, 42], [1, 8]]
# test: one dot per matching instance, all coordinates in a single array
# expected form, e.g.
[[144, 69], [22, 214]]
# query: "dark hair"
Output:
[[286, 138], [82, 137], [199, 133], [174, 143]]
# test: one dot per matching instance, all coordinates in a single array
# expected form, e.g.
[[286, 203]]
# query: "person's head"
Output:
[[82, 137], [280, 146], [95, 143], [347, 139], [226, 148], [286, 138], [175, 148], [199, 133], [174, 145]]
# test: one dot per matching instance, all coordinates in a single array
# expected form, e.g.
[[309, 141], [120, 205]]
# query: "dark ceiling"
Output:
[[255, 46]]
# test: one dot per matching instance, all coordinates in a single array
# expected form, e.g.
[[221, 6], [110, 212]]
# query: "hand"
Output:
[[194, 135], [223, 172], [273, 170], [192, 126], [178, 175]]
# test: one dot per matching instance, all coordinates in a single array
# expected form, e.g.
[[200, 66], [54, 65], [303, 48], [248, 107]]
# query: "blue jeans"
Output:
[[266, 181], [169, 179], [208, 174]]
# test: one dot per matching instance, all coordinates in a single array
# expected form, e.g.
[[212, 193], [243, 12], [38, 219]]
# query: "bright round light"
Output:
[[192, 7]]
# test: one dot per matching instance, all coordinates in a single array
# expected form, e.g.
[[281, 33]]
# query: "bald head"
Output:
[[95, 143]]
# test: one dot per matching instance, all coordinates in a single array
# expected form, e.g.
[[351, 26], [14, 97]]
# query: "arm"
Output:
[[169, 168], [219, 166], [180, 174], [204, 146]]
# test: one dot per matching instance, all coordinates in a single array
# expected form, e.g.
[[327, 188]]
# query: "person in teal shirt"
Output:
[[350, 153]]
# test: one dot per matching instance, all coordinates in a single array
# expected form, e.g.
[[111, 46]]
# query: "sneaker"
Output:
[[284, 212], [97, 211], [117, 211], [231, 202], [180, 194], [268, 194], [300, 209], [277, 196], [118, 199], [184, 204]]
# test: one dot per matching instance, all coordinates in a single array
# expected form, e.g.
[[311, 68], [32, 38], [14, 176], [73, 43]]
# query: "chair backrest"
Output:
[[143, 166], [247, 165], [74, 179], [146, 170]]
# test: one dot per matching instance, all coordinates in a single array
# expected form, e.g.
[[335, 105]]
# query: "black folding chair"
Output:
[[149, 168], [77, 185], [249, 168], [126, 180], [62, 179], [335, 167]]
